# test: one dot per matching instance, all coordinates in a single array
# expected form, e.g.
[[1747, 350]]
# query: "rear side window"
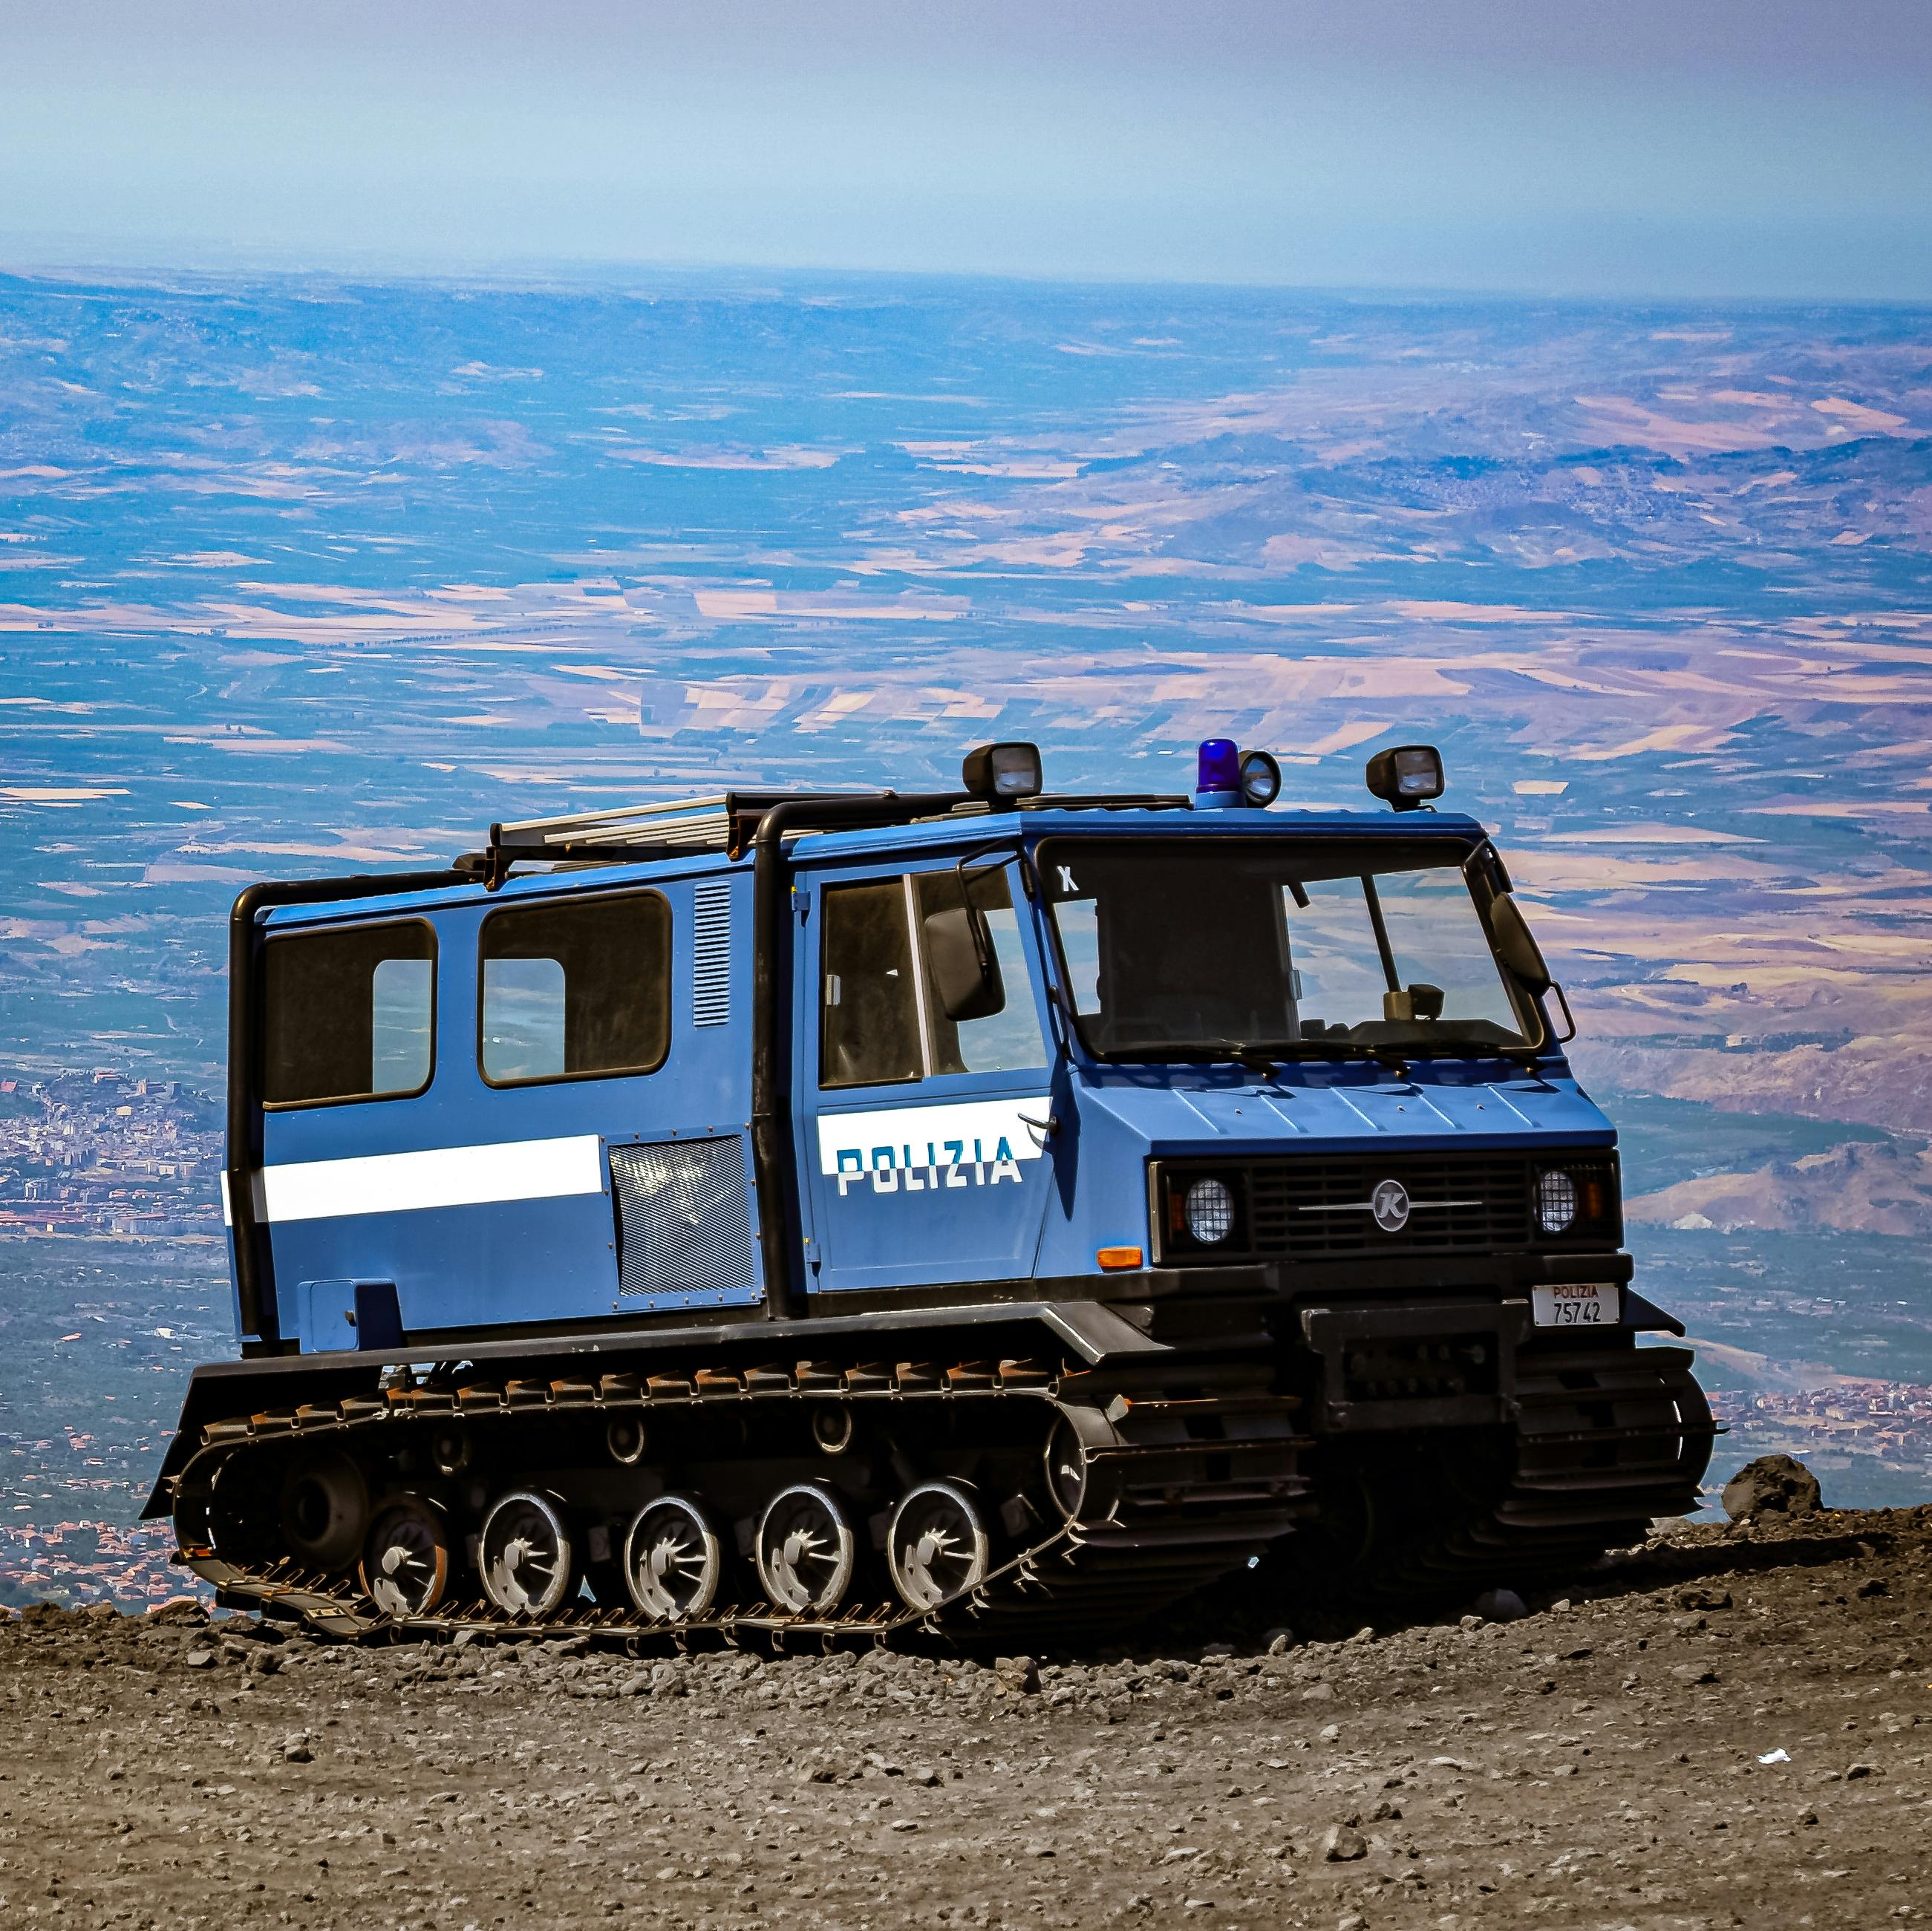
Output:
[[575, 989], [348, 1015]]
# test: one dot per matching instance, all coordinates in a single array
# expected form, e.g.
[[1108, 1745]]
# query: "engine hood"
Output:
[[1257, 1118]]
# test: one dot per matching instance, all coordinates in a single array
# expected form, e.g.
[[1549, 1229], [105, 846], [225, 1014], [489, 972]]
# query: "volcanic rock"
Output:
[[1773, 1484]]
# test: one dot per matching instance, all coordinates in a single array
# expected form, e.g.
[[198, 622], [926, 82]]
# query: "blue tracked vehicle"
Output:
[[1016, 1211]]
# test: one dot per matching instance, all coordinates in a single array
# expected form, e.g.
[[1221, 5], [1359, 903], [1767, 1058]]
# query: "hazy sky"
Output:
[[1723, 147]]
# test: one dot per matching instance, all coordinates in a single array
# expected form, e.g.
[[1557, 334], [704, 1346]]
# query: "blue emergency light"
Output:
[[1217, 783], [1227, 776]]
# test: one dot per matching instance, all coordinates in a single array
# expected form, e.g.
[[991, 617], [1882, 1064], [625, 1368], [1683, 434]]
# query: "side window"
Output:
[[881, 1022], [348, 1015], [868, 1025], [1076, 913], [1009, 1040], [1435, 935], [575, 989], [523, 1018]]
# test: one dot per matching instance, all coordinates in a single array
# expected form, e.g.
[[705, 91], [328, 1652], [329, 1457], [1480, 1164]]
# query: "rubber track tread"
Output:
[[1157, 1540], [1576, 1490]]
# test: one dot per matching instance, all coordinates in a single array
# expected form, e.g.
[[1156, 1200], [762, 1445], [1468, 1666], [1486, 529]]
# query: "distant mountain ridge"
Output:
[[1859, 1187]]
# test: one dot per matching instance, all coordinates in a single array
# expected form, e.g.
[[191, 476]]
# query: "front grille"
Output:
[[1301, 1208]]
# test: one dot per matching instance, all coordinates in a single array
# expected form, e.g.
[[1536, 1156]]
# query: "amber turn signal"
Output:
[[1119, 1257]]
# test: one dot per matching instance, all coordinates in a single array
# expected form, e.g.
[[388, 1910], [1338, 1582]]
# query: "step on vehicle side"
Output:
[[990, 1212]]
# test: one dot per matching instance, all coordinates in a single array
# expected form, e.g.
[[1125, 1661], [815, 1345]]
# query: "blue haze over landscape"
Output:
[[306, 574], [1737, 147]]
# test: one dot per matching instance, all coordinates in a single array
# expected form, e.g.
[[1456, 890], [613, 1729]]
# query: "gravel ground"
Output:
[[1599, 1762]]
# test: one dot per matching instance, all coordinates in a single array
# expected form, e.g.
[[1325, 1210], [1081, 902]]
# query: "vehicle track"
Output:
[[1177, 1489], [1605, 1442], [1179, 1483]]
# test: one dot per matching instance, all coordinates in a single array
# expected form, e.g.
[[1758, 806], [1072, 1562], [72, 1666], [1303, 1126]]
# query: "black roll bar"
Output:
[[254, 1263], [771, 1098]]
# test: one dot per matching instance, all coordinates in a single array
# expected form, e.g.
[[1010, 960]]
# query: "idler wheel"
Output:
[[1065, 1464], [673, 1559], [807, 1549], [528, 1555], [233, 1514], [324, 1510], [406, 1561], [936, 1545]]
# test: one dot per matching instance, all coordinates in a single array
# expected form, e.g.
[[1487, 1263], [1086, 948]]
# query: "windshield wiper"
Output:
[[1447, 1046], [1264, 1054], [1338, 1050]]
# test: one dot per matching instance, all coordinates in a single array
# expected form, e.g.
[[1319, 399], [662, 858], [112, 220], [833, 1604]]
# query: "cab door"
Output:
[[926, 1149]]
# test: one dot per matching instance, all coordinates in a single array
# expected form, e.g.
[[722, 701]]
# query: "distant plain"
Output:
[[301, 575]]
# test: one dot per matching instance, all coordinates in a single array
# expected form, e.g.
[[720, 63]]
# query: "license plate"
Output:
[[1578, 1304]]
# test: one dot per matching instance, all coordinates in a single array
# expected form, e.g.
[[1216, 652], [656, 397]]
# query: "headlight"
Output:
[[1211, 1211], [1556, 1199]]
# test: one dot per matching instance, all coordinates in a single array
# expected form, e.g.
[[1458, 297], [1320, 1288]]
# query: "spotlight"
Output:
[[1001, 772], [1405, 776], [1261, 779]]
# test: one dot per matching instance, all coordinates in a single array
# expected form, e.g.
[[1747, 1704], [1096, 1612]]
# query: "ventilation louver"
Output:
[[711, 955]]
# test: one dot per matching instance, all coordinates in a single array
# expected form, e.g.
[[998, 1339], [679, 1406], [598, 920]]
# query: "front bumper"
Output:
[[1401, 1342], [1450, 1365], [1383, 1280]]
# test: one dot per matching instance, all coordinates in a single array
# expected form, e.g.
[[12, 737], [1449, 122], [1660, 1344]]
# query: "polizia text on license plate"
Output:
[[1578, 1304]]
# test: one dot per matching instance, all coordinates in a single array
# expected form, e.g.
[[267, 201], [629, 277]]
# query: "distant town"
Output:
[[90, 1562], [97, 1152], [1889, 1421]]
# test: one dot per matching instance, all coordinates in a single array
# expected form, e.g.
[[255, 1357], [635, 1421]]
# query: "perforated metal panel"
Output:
[[684, 1222], [711, 955]]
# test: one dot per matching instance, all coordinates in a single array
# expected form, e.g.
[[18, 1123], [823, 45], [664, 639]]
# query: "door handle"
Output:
[[1046, 1129]]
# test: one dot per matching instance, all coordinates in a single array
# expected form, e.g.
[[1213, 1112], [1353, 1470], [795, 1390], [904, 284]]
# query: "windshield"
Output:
[[1177, 948]]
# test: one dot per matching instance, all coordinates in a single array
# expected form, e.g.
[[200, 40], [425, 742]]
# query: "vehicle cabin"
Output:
[[764, 1048]]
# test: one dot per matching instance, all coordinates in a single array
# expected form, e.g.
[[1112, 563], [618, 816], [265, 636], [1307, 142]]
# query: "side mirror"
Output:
[[963, 967], [1516, 946]]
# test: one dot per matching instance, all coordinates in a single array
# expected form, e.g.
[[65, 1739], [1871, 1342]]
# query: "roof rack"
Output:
[[679, 824], [725, 821], [1106, 801]]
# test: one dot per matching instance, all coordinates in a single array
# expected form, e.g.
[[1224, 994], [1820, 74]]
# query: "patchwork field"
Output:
[[304, 574]]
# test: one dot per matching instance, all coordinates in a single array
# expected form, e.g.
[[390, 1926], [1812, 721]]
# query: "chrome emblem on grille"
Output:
[[1389, 1203]]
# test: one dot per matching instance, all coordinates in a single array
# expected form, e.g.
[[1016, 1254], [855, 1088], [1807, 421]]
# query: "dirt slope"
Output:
[[1597, 1764]]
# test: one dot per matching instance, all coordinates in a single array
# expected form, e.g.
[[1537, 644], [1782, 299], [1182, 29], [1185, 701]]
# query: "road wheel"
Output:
[[528, 1554], [673, 1559], [936, 1545], [324, 1507], [405, 1557], [808, 1549]]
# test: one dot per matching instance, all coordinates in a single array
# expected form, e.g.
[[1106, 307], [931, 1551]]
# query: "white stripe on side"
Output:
[[438, 1176]]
